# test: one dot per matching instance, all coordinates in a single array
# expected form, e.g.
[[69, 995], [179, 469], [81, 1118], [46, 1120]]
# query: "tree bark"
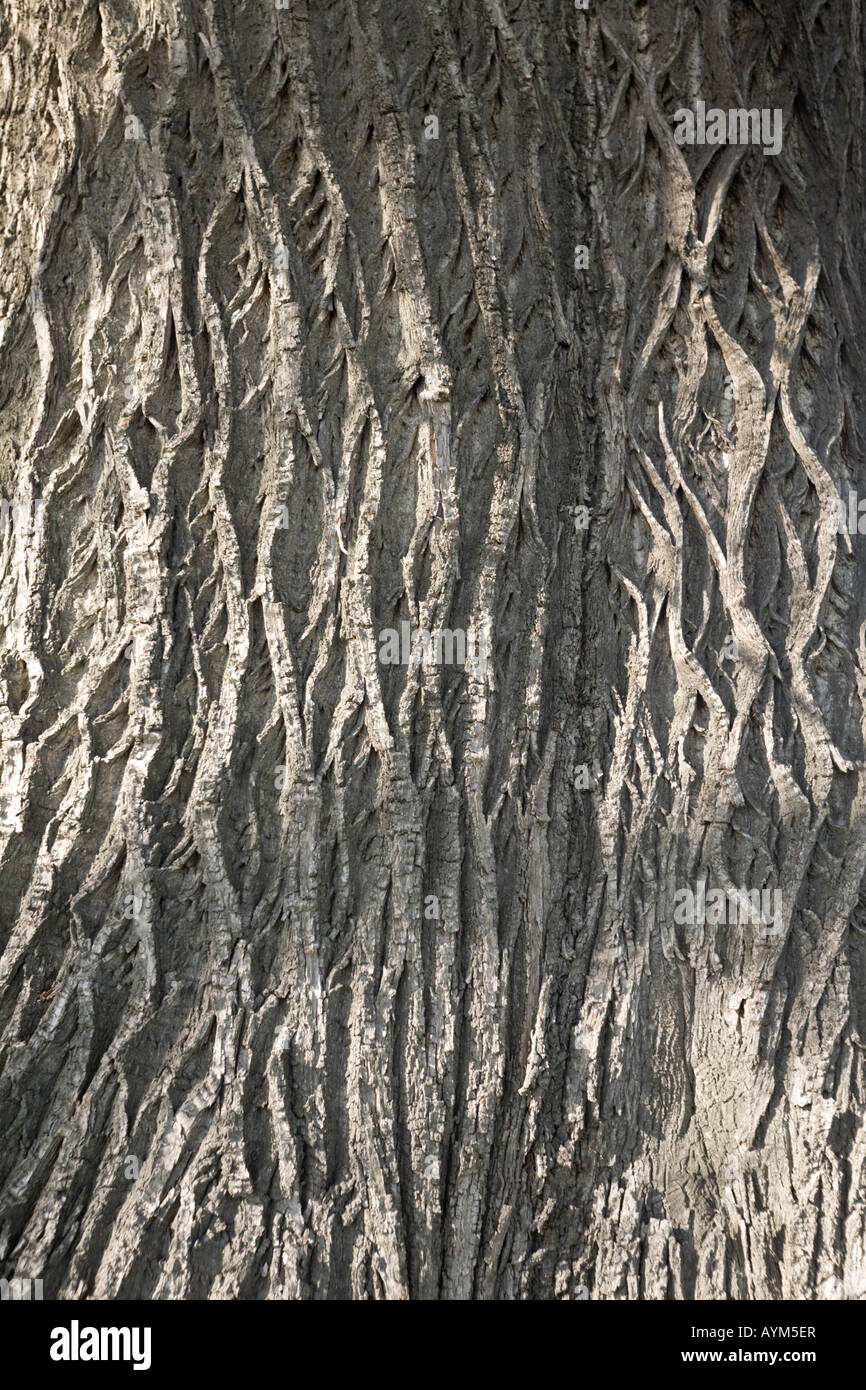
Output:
[[328, 978]]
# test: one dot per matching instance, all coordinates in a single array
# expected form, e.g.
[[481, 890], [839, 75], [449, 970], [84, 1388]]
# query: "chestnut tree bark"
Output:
[[327, 978]]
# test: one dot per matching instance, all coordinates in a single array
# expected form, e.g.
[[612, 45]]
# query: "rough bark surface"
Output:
[[282, 365]]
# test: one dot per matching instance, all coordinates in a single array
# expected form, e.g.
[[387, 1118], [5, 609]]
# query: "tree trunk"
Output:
[[338, 962]]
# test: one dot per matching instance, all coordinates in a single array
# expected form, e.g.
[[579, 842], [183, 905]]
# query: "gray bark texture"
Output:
[[327, 978]]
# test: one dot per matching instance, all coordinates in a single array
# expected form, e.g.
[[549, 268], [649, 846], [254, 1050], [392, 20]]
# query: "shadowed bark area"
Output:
[[322, 977]]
